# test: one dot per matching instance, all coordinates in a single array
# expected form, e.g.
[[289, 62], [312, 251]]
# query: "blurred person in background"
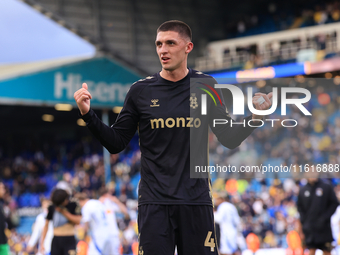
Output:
[[112, 206], [280, 227], [96, 224], [65, 183], [227, 217], [38, 227], [65, 214], [4, 248], [316, 204]]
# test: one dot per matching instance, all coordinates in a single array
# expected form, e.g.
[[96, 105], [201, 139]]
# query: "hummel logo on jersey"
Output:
[[193, 101], [154, 102]]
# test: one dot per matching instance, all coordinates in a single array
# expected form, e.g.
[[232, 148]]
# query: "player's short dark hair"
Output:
[[224, 195], [81, 196], [178, 26], [43, 199], [102, 191], [59, 196]]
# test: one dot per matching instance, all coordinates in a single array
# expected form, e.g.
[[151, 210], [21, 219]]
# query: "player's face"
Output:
[[45, 204], [65, 202], [172, 50], [218, 201], [82, 203]]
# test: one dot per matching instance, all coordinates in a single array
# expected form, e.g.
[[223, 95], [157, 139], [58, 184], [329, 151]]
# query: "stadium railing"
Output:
[[271, 47]]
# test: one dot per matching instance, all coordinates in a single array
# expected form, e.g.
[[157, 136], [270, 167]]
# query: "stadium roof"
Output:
[[13, 70]]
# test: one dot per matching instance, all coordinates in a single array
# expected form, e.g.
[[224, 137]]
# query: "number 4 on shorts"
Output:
[[210, 242]]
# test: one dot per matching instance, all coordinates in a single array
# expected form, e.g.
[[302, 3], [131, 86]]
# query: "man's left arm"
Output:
[[86, 227], [74, 219], [236, 218], [332, 205], [218, 215], [232, 135], [74, 215], [300, 207], [36, 233], [121, 206]]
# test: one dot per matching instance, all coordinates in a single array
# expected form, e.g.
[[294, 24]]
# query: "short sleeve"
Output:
[[86, 213], [50, 212], [113, 206], [74, 208], [219, 214]]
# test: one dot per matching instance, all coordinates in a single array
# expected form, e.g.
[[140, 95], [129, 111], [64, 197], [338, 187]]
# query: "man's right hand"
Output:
[[83, 97], [29, 249], [42, 249]]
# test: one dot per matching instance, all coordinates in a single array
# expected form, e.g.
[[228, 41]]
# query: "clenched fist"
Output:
[[262, 102], [83, 97]]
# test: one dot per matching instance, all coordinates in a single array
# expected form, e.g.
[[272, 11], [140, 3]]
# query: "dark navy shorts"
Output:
[[63, 245], [190, 228]]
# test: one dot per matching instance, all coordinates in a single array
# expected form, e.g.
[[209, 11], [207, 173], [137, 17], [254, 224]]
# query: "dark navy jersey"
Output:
[[166, 114]]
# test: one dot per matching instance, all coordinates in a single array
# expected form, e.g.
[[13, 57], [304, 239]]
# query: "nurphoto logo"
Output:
[[238, 104]]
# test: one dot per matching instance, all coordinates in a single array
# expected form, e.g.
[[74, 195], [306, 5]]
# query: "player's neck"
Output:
[[175, 75]]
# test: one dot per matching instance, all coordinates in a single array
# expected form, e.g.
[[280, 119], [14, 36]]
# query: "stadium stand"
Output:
[[32, 170], [298, 45], [127, 29], [318, 137], [280, 16], [305, 38]]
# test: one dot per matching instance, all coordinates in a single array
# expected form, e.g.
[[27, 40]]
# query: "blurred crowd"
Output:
[[315, 139], [31, 172], [267, 202], [282, 15]]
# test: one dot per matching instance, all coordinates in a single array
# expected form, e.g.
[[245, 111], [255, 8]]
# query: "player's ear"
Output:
[[189, 47]]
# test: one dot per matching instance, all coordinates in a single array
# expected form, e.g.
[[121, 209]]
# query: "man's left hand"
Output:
[[60, 209], [262, 102]]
